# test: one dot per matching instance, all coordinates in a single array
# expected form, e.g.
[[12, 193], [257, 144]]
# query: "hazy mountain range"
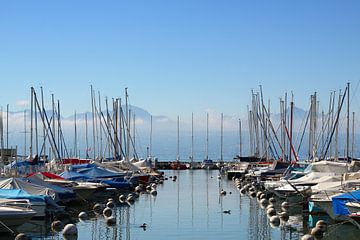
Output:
[[164, 138]]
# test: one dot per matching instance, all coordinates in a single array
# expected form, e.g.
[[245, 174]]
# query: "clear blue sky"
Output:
[[178, 57]]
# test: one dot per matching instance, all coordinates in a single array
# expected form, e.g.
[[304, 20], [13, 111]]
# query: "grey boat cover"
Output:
[[31, 188]]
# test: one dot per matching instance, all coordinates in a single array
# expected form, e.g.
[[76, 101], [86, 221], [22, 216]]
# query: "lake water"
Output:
[[191, 208]]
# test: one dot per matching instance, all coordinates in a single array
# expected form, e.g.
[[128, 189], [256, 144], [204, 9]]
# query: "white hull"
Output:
[[14, 216]]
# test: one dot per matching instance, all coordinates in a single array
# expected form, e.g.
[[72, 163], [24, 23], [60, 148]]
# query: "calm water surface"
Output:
[[191, 208]]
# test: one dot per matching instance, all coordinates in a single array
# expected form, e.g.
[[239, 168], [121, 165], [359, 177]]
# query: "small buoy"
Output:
[[97, 208], [122, 198], [321, 224], [223, 192], [219, 177], [227, 211], [110, 220], [285, 205], [230, 192], [258, 194], [272, 200], [138, 189], [107, 212], [307, 237], [130, 198], [284, 216], [21, 236], [317, 232], [275, 220], [264, 201], [70, 229], [57, 226], [271, 212], [83, 215], [270, 206], [110, 204], [153, 192]]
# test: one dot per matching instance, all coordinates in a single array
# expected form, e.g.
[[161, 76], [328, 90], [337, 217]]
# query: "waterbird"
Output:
[[227, 211]]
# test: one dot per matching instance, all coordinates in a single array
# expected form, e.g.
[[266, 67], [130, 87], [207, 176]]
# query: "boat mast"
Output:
[[151, 130], [353, 136], [86, 136], [178, 140], [222, 137], [240, 140], [207, 137], [348, 122], [192, 139]]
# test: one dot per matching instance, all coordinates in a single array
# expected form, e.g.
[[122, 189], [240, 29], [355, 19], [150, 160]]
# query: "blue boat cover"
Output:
[[97, 172], [72, 175], [338, 202], [20, 194]]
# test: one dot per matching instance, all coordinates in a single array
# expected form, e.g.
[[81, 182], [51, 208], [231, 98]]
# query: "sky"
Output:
[[177, 57]]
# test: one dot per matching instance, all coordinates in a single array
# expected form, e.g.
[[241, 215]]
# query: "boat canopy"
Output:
[[339, 202], [20, 194], [73, 175]]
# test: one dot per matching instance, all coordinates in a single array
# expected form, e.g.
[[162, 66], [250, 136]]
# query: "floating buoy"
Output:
[[70, 229], [272, 200], [110, 204], [138, 189], [122, 198], [322, 225], [97, 208], [21, 236], [264, 201], [317, 232], [270, 206], [275, 220], [83, 215], [153, 192], [307, 237], [110, 220], [271, 212], [107, 212], [284, 216], [258, 194], [219, 177], [285, 205], [223, 192], [130, 198], [57, 226]]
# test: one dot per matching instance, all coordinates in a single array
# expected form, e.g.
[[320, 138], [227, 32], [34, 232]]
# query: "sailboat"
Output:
[[207, 163], [177, 165]]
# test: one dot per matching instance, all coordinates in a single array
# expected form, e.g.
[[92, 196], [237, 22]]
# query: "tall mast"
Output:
[[178, 140], [127, 126], [151, 130], [7, 126], [291, 124], [75, 138], [192, 138], [348, 122], [44, 125], [240, 140], [134, 133], [353, 136], [207, 137], [31, 122], [25, 150], [86, 136], [93, 121], [222, 137]]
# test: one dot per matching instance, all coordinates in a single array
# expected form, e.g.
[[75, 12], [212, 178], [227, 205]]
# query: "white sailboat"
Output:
[[207, 163]]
